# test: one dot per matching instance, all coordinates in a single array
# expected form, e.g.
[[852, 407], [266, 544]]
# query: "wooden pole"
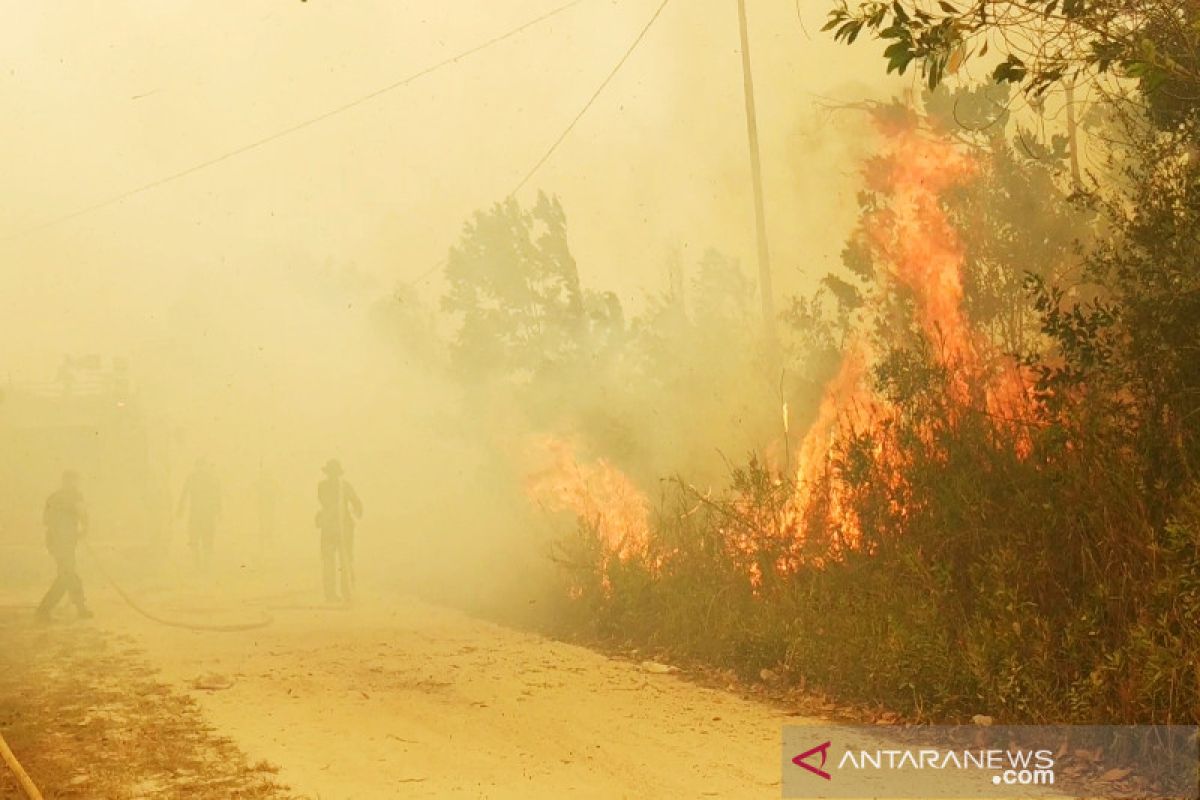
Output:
[[764, 253], [26, 783]]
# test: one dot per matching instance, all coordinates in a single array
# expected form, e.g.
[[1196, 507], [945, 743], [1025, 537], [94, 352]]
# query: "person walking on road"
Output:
[[340, 508], [65, 519]]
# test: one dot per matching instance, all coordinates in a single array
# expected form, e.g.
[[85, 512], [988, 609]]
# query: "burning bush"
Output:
[[964, 530]]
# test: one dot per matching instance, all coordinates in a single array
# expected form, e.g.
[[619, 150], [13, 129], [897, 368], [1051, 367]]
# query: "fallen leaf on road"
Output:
[[212, 681], [658, 669]]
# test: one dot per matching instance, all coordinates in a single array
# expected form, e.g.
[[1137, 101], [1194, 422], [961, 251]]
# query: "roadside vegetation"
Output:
[[965, 481]]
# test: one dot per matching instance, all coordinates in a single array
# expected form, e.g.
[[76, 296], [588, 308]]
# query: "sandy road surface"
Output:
[[390, 699], [408, 700]]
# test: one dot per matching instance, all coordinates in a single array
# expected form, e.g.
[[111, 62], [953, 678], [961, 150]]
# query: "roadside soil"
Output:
[[88, 717]]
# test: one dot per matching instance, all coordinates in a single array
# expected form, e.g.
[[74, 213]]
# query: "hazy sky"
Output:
[[105, 96]]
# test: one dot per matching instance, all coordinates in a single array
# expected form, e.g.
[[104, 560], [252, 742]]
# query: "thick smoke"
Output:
[[265, 309]]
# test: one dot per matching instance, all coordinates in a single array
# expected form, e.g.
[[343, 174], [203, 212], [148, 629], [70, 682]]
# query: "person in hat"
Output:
[[339, 509], [66, 521]]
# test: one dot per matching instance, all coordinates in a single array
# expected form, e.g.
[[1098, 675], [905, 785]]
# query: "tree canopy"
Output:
[[1041, 43]]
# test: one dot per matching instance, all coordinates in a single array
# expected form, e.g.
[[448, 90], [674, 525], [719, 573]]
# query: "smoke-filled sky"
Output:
[[244, 294], [106, 96]]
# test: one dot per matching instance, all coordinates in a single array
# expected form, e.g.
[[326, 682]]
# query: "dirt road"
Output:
[[407, 700], [392, 698]]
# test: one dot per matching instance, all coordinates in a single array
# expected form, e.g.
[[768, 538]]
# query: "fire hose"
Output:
[[266, 620], [31, 790]]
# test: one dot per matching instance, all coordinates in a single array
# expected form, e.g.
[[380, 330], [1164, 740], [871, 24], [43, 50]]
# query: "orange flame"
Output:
[[847, 405], [912, 235], [596, 492], [916, 248]]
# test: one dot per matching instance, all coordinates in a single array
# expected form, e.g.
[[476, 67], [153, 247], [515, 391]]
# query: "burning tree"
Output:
[[967, 526]]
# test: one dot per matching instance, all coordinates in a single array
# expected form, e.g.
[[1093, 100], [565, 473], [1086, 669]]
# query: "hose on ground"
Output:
[[236, 627]]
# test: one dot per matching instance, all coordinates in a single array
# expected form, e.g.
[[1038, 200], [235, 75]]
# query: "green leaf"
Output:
[[936, 67], [1012, 70], [899, 62]]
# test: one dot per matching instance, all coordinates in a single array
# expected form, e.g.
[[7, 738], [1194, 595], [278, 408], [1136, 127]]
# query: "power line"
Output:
[[566, 132], [570, 126], [154, 184]]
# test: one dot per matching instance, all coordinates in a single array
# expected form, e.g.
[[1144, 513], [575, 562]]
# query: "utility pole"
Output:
[[764, 253]]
